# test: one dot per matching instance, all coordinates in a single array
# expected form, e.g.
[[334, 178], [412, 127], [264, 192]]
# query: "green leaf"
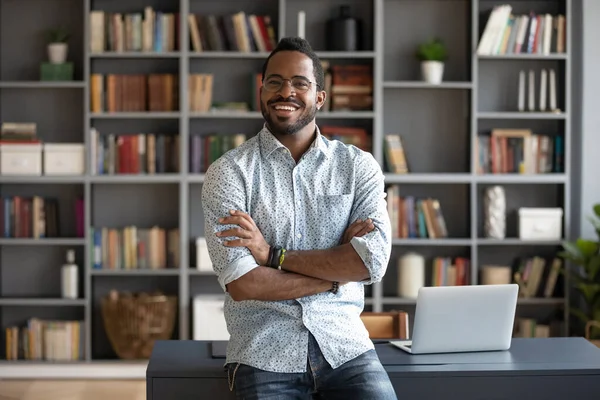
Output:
[[572, 251], [597, 209], [595, 222], [433, 50], [589, 291], [587, 248], [593, 268], [579, 314]]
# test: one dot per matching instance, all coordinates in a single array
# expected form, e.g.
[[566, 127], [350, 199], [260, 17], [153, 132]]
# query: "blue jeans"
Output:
[[362, 378]]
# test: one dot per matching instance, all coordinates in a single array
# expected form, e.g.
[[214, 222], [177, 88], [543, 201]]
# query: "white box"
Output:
[[64, 159], [209, 318], [540, 223], [21, 159], [203, 262]]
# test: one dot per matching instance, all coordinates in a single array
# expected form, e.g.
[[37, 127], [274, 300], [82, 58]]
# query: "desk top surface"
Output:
[[190, 358]]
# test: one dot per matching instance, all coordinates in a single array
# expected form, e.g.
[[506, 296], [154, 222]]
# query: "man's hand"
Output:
[[248, 234], [358, 228]]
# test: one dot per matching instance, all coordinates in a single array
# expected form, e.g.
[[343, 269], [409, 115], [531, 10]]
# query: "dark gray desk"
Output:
[[553, 368]]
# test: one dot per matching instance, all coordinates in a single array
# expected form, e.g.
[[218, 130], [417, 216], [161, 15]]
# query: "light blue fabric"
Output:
[[302, 206]]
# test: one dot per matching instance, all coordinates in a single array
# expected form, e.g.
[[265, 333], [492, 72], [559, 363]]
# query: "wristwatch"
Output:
[[276, 257]]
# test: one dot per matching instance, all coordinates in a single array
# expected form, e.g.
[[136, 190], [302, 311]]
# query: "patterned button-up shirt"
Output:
[[303, 206]]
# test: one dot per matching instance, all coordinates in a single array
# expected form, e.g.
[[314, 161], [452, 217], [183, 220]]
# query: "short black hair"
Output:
[[301, 45]]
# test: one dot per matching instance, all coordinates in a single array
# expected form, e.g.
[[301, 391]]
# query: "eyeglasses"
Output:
[[300, 85]]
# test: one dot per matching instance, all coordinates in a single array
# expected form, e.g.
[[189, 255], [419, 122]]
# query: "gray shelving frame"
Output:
[[186, 185]]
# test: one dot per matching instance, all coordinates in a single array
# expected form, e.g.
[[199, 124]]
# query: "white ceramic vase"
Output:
[[432, 71], [57, 53]]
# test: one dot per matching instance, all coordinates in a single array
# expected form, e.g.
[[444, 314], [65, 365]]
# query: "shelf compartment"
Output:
[[18, 315], [434, 128], [429, 253], [56, 123], [20, 59], [400, 63], [454, 200], [68, 201], [168, 285], [519, 195], [28, 273], [139, 204], [498, 86], [317, 13]]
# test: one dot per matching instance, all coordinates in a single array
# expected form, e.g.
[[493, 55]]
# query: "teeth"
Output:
[[288, 108]]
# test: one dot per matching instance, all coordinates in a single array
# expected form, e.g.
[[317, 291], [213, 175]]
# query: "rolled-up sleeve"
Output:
[[223, 190], [375, 247]]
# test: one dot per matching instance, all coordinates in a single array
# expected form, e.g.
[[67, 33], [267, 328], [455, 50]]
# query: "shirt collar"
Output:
[[269, 143]]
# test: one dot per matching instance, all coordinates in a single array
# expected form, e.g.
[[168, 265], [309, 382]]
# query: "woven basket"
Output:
[[134, 321]]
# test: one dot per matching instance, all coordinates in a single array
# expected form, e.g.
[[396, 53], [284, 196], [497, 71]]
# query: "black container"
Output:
[[343, 33]]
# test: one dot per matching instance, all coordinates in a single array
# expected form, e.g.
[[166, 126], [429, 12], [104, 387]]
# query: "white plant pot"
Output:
[[432, 71], [57, 53]]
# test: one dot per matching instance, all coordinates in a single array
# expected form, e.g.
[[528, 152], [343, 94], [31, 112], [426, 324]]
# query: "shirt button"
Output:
[[298, 236]]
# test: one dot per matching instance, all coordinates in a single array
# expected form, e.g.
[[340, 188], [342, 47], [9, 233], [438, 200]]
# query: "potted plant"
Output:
[[57, 45], [432, 55], [585, 275]]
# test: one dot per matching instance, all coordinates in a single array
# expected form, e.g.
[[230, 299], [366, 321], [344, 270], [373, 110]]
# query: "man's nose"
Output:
[[287, 89]]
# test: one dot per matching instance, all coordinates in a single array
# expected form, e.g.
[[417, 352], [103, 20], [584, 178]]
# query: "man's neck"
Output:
[[299, 142]]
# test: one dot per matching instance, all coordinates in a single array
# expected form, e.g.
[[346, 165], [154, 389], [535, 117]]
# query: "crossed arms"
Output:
[[361, 256]]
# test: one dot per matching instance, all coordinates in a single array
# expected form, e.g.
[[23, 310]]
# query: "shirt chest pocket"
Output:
[[332, 212]]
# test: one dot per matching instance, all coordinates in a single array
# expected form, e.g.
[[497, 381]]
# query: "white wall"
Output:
[[590, 113]]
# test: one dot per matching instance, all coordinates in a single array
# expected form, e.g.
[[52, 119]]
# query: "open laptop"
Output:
[[451, 319]]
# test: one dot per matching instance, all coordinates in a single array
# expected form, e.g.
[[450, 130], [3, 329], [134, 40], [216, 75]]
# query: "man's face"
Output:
[[292, 106]]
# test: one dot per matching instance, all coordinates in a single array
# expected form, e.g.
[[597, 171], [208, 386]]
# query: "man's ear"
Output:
[[321, 96]]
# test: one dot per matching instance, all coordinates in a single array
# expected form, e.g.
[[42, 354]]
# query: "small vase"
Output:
[[495, 213], [57, 53], [432, 71]]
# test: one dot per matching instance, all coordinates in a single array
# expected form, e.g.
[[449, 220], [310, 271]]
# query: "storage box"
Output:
[[64, 159], [203, 262], [209, 318], [540, 223], [21, 159]]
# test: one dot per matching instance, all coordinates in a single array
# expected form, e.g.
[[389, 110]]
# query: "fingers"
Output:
[[236, 232], [354, 228], [366, 228], [236, 243], [361, 228], [243, 215], [238, 220]]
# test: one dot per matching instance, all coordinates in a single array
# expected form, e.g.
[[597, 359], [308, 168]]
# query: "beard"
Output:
[[287, 125]]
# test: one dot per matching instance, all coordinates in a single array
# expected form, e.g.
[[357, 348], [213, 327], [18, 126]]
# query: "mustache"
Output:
[[280, 99]]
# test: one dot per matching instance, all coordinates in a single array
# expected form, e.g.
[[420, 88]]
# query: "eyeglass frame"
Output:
[[290, 84]]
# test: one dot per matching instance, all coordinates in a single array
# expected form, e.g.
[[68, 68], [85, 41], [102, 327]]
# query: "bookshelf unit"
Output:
[[439, 125]]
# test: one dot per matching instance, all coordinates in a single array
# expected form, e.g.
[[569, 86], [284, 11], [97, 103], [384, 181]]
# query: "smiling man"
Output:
[[296, 226]]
